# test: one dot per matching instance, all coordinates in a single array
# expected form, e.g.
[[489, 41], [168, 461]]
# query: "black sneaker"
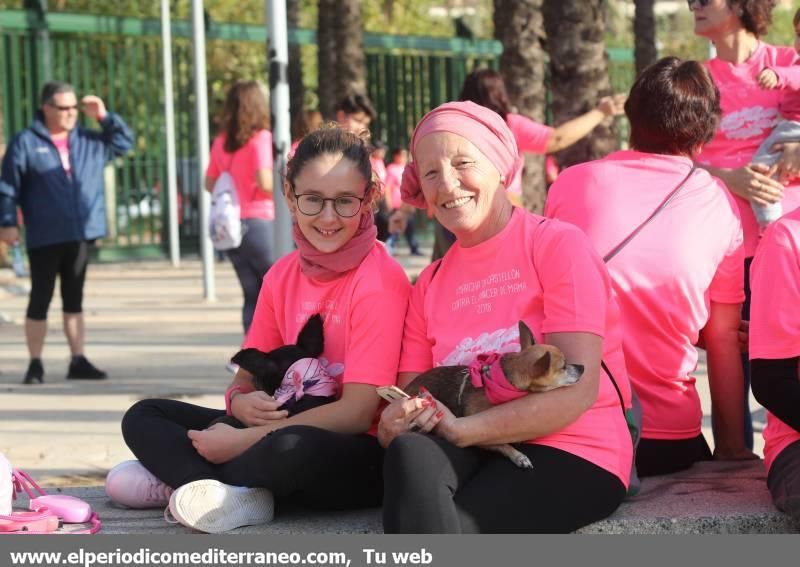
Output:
[[81, 369], [35, 372]]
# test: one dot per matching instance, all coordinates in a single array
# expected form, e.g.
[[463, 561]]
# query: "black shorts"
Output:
[[67, 260]]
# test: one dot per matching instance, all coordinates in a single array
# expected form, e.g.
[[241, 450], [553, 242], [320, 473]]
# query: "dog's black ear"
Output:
[[310, 338], [542, 366], [252, 360], [525, 336]]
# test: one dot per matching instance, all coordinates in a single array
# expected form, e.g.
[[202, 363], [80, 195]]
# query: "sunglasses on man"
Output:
[[63, 108]]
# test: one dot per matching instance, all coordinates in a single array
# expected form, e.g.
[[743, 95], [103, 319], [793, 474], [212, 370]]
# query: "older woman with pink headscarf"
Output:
[[507, 265]]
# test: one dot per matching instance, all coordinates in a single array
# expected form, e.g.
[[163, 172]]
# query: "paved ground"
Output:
[[149, 327]]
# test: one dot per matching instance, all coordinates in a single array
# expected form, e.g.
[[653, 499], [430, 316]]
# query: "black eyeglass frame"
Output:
[[703, 3], [326, 199]]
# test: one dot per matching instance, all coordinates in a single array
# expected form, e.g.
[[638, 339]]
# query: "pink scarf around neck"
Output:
[[324, 266], [486, 371]]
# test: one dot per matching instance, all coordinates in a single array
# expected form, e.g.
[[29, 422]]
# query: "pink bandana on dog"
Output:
[[483, 127], [486, 372], [327, 266], [306, 376]]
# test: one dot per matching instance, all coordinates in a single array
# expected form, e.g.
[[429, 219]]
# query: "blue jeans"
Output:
[[251, 260]]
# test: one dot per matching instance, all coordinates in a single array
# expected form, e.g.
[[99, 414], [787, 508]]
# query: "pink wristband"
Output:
[[229, 394]]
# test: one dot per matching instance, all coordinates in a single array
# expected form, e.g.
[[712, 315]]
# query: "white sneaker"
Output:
[[213, 507], [132, 485]]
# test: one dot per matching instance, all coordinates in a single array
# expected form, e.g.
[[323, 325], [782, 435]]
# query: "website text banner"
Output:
[[394, 551]]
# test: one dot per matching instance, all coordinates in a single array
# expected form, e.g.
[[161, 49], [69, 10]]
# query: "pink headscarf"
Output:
[[326, 266], [483, 127], [486, 372]]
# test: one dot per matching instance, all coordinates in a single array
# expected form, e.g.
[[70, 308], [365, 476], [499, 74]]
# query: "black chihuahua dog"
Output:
[[269, 368]]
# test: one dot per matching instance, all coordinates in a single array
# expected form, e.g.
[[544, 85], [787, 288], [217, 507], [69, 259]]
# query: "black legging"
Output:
[[304, 465], [432, 486], [667, 456], [251, 260], [68, 261]]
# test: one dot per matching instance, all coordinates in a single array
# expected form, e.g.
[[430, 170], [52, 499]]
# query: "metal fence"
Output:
[[119, 59]]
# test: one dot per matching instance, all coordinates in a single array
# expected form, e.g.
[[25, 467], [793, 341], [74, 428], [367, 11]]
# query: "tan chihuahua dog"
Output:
[[536, 368]]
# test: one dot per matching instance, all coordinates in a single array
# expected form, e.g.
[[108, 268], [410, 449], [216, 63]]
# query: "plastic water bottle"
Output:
[[17, 263]]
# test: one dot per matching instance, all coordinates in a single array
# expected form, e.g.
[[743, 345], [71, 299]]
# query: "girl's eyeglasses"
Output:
[[346, 206], [703, 3]]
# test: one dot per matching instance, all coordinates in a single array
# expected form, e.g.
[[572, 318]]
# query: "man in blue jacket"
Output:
[[53, 171]]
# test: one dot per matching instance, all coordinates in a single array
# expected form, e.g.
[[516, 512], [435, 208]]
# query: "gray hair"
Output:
[[52, 88]]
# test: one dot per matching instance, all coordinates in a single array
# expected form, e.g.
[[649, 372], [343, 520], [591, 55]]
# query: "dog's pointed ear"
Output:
[[310, 338], [525, 336], [542, 366], [252, 360]]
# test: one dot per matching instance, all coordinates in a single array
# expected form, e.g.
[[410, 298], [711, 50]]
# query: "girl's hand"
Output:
[[398, 418], [753, 182], [767, 79], [788, 166], [256, 408], [219, 443]]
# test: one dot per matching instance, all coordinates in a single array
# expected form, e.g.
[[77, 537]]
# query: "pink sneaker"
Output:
[[132, 485]]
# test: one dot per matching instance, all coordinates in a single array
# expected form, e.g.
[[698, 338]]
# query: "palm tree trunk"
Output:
[[518, 25], [579, 72], [326, 58], [351, 70], [296, 87], [644, 30]]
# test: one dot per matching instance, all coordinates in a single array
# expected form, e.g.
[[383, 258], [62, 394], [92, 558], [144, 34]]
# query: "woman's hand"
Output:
[[753, 182], [256, 408], [612, 105], [788, 166], [219, 443], [398, 418]]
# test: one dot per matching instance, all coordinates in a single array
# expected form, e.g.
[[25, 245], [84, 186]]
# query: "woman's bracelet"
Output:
[[234, 389]]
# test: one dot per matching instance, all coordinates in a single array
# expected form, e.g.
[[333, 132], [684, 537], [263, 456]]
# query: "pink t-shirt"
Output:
[[666, 277], [363, 313], [749, 113], [394, 178], [532, 137], [242, 165], [545, 273], [62, 145], [775, 312]]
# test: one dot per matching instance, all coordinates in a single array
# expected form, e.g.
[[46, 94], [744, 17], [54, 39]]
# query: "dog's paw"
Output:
[[522, 461]]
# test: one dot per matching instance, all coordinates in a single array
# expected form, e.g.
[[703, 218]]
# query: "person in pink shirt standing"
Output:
[[774, 354], [394, 177], [487, 88], [681, 274], [507, 265], [217, 478], [749, 114], [243, 148]]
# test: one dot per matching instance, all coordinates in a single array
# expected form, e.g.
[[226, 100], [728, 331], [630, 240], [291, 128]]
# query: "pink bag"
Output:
[[46, 513]]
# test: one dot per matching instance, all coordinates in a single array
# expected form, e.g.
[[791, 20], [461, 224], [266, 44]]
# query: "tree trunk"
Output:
[[351, 70], [326, 58], [579, 72], [644, 30], [296, 87], [518, 25]]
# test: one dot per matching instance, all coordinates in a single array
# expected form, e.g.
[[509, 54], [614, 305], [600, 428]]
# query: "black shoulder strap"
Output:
[[660, 208], [624, 243]]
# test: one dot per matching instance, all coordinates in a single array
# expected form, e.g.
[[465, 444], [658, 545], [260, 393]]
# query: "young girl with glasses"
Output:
[[324, 458]]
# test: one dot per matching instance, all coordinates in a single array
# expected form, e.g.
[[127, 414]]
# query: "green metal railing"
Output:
[[119, 59]]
